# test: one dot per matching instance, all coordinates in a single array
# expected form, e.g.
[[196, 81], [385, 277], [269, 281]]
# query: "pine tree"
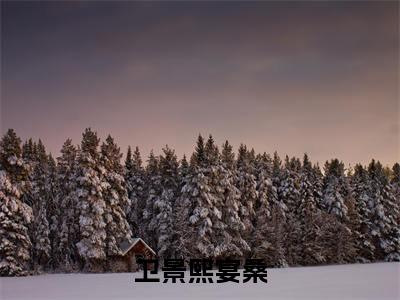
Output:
[[115, 197], [164, 207], [42, 247], [289, 194], [265, 192], [135, 180], [197, 199], [307, 192], [228, 226], [335, 189], [272, 248], [41, 195], [28, 151], [181, 214], [12, 163], [384, 212], [395, 182], [90, 186], [247, 185], [317, 183], [276, 182], [309, 215], [184, 169], [15, 217], [336, 239], [289, 189], [198, 158], [66, 252], [53, 212], [361, 219], [153, 192]]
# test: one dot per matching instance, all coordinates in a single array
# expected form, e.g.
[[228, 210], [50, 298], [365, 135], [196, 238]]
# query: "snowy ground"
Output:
[[372, 281]]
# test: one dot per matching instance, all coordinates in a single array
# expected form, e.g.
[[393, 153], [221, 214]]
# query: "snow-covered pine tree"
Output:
[[164, 206], [353, 223], [41, 195], [247, 185], [272, 248], [28, 151], [270, 243], [289, 189], [384, 212], [277, 173], [15, 215], [308, 203], [317, 181], [182, 211], [53, 211], [308, 216], [183, 170], [220, 184], [228, 156], [265, 191], [361, 222], [42, 246], [29, 158], [153, 193], [227, 224], [12, 162], [336, 189], [181, 214], [336, 240], [90, 186], [198, 157], [395, 182], [289, 194], [66, 252], [135, 180], [115, 196], [197, 199]]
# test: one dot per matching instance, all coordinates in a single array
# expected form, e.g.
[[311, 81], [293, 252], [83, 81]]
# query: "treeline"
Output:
[[71, 213]]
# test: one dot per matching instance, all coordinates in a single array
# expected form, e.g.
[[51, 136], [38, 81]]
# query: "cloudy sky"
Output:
[[316, 77]]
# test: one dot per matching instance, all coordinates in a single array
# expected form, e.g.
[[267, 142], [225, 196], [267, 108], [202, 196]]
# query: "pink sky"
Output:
[[320, 78]]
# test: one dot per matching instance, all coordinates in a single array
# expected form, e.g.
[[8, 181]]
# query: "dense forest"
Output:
[[69, 214]]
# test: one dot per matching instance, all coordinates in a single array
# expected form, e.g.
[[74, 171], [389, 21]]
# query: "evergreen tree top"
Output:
[[211, 151], [128, 160], [306, 162], [334, 168], [199, 156], [68, 152], [227, 155], [90, 142], [10, 145], [276, 165], [152, 167], [396, 173], [137, 160], [242, 159], [11, 157], [111, 155], [169, 159]]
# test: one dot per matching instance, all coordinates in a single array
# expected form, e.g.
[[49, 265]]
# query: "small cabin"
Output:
[[131, 251]]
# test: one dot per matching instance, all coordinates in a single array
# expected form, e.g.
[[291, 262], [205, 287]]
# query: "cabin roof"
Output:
[[127, 245]]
